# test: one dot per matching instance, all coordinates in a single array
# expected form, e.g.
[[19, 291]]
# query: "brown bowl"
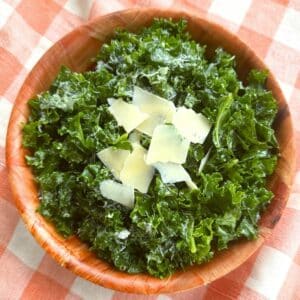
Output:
[[75, 51]]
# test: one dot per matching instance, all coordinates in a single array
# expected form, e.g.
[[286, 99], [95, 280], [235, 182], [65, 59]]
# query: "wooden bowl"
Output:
[[75, 51]]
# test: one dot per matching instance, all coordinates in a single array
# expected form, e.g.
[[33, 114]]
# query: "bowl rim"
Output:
[[102, 275]]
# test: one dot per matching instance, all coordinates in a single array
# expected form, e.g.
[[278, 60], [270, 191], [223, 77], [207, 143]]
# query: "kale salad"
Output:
[[158, 157]]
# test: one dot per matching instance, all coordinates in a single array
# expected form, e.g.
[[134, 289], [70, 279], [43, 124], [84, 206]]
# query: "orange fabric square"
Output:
[[9, 218], [264, 17], [138, 2], [283, 2], [43, 287], [53, 270], [232, 284], [297, 85], [9, 66], [38, 14], [297, 139], [288, 227], [228, 287], [2, 157], [249, 294], [242, 273], [2, 249], [194, 294], [14, 276], [259, 43], [212, 294], [5, 192]]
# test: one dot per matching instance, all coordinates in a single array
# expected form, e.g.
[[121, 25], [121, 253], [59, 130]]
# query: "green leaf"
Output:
[[123, 143], [222, 113]]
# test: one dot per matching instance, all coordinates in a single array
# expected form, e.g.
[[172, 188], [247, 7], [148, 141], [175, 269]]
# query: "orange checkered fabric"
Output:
[[29, 27]]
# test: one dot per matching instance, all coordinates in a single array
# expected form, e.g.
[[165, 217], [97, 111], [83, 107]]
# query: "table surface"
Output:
[[29, 27]]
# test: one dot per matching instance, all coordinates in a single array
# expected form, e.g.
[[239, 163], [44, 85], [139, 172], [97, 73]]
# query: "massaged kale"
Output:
[[171, 226]]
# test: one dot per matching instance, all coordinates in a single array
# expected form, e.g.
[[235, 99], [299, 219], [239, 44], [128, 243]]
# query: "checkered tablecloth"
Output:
[[29, 27]]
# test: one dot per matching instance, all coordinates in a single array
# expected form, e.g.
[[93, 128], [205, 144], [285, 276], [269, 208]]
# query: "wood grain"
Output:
[[75, 51]]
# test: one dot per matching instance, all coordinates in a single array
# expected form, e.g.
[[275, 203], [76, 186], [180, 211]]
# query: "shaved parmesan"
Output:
[[134, 137], [191, 185], [194, 127], [113, 159], [117, 192], [159, 109], [167, 145], [126, 114], [110, 101], [171, 173], [136, 172], [149, 125], [122, 235], [204, 161]]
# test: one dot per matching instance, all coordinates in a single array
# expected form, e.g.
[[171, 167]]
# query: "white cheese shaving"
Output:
[[136, 172], [117, 192], [123, 234], [134, 137], [126, 114], [191, 185], [204, 161], [167, 145], [171, 173], [159, 109], [193, 126], [113, 159], [149, 125]]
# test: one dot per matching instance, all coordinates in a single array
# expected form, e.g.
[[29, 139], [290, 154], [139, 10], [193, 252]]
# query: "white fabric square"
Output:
[[289, 29], [43, 45], [164, 3], [13, 3], [23, 245], [5, 12], [294, 201], [297, 178], [287, 90], [5, 110], [163, 297], [231, 10], [269, 272], [106, 7], [80, 8], [90, 291]]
